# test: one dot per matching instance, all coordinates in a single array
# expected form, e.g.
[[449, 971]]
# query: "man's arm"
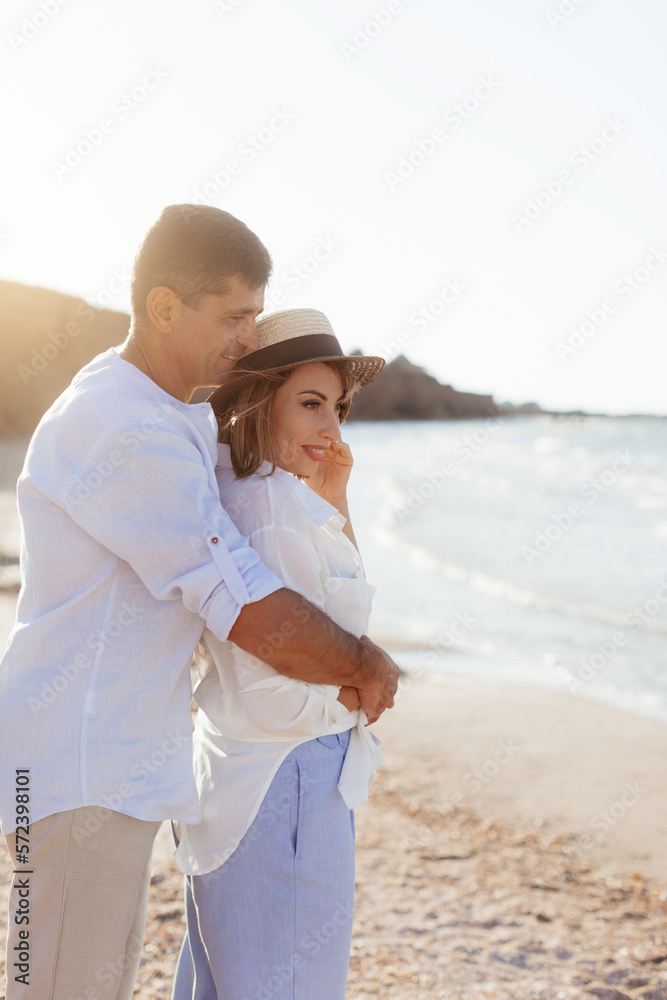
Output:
[[154, 507], [160, 515], [297, 639]]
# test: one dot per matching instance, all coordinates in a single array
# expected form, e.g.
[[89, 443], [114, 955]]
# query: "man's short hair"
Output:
[[195, 250]]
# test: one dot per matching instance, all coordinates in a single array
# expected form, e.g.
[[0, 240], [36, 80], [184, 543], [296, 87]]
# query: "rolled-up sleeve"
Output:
[[147, 497]]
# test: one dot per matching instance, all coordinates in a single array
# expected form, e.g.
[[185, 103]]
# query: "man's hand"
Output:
[[377, 694], [349, 697], [312, 648]]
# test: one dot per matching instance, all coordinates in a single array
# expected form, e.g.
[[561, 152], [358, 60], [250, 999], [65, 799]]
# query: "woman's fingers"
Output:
[[341, 449]]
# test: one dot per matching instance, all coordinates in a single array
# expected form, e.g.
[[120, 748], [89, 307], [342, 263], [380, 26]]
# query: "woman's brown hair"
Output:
[[243, 412]]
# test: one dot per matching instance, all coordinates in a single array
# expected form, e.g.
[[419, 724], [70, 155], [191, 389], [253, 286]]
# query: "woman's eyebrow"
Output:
[[314, 392]]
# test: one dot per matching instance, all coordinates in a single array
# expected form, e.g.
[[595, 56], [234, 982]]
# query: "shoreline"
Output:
[[480, 669], [460, 667]]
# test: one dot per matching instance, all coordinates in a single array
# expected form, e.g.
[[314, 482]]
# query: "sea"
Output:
[[521, 550]]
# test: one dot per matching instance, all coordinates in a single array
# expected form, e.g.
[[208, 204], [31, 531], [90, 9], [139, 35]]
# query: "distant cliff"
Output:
[[46, 337], [404, 391]]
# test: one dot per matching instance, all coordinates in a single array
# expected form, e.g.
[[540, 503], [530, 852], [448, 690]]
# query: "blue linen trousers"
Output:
[[274, 922]]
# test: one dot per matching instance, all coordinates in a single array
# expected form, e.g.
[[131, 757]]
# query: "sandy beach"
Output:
[[475, 877]]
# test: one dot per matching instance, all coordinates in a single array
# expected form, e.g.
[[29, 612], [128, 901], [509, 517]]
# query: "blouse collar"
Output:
[[317, 509]]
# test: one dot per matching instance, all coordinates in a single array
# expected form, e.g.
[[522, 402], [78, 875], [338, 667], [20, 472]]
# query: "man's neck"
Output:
[[136, 352]]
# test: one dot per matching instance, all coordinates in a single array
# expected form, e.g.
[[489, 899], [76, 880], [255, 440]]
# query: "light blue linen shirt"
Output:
[[126, 555]]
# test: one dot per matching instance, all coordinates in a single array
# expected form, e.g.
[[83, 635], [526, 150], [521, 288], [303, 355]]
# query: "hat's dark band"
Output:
[[289, 352]]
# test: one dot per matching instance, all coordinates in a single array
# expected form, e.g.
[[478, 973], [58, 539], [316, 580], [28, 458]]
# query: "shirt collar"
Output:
[[191, 408], [317, 509]]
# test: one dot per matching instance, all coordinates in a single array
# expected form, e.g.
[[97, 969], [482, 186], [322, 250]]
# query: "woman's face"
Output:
[[305, 417]]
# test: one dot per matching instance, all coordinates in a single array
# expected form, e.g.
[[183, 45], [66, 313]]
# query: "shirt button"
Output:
[[215, 539]]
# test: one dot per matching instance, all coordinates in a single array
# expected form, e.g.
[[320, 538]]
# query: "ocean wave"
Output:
[[510, 591]]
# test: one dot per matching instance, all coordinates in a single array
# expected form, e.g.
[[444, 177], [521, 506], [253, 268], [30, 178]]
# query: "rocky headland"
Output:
[[47, 337]]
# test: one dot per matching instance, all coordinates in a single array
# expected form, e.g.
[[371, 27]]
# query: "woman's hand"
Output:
[[349, 697], [333, 472]]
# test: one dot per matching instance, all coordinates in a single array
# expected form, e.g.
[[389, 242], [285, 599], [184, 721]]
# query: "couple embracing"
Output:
[[150, 526]]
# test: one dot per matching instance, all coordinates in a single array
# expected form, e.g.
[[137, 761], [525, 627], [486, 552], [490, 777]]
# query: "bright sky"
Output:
[[484, 180]]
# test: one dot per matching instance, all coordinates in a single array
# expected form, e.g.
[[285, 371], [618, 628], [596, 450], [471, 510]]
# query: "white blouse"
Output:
[[250, 716]]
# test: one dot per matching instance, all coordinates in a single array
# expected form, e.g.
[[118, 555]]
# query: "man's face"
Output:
[[208, 341]]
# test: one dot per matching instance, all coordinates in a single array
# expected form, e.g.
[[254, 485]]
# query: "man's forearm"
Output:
[[298, 639]]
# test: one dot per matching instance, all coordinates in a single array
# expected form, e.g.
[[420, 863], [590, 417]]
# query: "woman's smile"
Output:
[[317, 454]]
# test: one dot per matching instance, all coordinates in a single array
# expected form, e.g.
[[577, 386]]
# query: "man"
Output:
[[126, 556]]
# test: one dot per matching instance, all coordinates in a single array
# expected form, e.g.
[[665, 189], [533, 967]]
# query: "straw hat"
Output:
[[296, 337]]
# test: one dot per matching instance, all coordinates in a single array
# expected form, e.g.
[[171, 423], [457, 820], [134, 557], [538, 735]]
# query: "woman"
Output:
[[280, 763]]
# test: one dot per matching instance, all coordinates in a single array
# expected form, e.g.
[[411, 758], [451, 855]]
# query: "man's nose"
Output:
[[247, 334]]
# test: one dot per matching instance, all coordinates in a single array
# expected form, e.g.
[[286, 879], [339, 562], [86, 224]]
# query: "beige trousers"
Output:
[[85, 893]]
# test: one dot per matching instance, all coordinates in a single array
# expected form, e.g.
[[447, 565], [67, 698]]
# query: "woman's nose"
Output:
[[331, 429]]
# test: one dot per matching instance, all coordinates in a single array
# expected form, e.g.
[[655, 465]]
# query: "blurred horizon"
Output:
[[359, 349]]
